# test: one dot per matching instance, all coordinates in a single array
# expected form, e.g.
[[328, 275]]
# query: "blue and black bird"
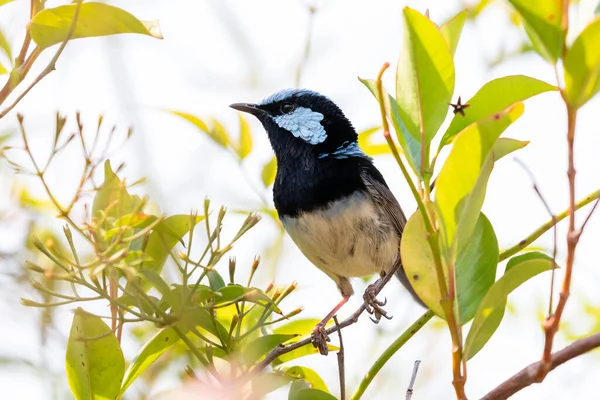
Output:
[[332, 201]]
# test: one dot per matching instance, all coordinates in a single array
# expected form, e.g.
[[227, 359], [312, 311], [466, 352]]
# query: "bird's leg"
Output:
[[319, 335], [374, 306]]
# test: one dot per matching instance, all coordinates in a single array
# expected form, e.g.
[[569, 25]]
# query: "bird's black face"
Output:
[[302, 122]]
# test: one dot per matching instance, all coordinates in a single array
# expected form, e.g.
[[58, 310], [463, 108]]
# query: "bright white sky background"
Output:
[[217, 52]]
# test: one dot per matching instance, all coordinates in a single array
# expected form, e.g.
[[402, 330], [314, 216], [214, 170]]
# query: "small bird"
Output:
[[331, 199]]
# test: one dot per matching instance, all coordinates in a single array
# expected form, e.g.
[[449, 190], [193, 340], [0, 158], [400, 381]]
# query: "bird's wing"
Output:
[[383, 196]]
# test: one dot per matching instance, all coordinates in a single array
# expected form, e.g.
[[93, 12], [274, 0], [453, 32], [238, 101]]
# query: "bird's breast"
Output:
[[348, 237]]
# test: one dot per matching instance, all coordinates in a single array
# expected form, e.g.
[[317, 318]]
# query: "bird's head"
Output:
[[300, 122]]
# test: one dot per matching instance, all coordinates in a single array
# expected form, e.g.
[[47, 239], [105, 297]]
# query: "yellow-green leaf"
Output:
[[94, 362], [5, 45], [51, 26], [309, 375], [151, 351], [425, 76], [452, 29], [462, 170], [3, 70], [269, 171], [542, 20], [245, 143], [582, 65], [372, 149], [218, 133]]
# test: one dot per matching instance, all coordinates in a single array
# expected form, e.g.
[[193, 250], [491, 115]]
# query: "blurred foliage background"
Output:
[[187, 145]]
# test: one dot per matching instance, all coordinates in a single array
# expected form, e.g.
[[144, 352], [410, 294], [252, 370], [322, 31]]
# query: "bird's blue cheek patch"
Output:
[[304, 124]]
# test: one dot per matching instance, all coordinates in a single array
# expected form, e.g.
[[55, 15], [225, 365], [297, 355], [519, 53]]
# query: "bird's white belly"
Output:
[[349, 238]]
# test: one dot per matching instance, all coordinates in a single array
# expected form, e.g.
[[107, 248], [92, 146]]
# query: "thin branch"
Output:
[[555, 234], [547, 226], [312, 11], [51, 65], [278, 351], [411, 385], [528, 375], [588, 217], [340, 359], [389, 352]]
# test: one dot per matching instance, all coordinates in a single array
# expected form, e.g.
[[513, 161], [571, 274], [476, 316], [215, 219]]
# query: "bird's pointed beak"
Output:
[[248, 108]]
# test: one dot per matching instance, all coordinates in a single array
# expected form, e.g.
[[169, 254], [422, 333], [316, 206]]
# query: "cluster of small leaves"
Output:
[[121, 262]]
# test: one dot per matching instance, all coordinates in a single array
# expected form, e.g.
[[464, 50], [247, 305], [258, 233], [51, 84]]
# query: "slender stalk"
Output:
[[389, 352], [533, 236]]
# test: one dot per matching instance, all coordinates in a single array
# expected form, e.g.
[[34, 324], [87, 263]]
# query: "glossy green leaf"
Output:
[[425, 76], [51, 26], [411, 145], [309, 375], [452, 29], [493, 97], [261, 346], [542, 20], [245, 142], [475, 266], [94, 362], [193, 318], [582, 66], [160, 244], [311, 394], [269, 171], [459, 176], [151, 351], [488, 316]]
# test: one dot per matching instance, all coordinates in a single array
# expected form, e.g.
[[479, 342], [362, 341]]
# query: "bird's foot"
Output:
[[319, 338], [374, 306]]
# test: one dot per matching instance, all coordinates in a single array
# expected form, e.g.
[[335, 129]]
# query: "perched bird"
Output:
[[331, 199]]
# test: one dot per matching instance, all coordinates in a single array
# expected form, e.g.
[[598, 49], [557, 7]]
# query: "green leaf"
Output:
[[218, 133], [51, 26], [245, 143], [215, 280], [542, 20], [3, 2], [411, 146], [197, 122], [94, 362], [160, 244], [309, 375], [452, 29], [493, 97], [455, 197], [425, 77], [488, 316], [475, 267], [253, 295], [505, 146], [311, 394], [269, 171], [112, 197], [261, 346], [582, 66], [151, 351], [3, 71], [297, 385]]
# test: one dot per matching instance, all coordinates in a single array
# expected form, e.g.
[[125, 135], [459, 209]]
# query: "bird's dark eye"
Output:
[[287, 108]]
